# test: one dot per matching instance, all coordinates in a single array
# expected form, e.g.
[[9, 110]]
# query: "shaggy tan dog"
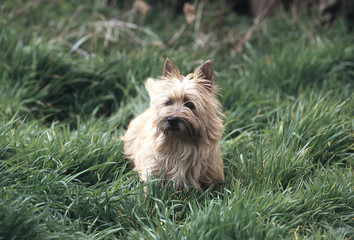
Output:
[[177, 136]]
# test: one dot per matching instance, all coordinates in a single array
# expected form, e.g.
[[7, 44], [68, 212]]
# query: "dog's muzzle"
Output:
[[180, 126]]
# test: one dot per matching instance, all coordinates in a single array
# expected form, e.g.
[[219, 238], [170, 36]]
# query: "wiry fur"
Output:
[[189, 155]]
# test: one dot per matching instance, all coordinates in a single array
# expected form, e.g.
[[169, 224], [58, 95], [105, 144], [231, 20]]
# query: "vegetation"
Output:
[[72, 77]]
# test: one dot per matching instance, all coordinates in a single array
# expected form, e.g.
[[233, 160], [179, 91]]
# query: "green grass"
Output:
[[67, 94]]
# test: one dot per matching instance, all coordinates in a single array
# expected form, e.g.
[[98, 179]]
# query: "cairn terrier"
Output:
[[177, 136]]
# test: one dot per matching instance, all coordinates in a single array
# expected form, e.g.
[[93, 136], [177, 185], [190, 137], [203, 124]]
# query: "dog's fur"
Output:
[[177, 136]]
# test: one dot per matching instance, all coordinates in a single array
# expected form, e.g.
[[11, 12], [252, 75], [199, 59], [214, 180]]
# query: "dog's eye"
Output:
[[190, 105], [168, 103]]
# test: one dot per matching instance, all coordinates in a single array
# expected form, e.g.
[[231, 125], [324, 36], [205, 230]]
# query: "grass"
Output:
[[68, 91]]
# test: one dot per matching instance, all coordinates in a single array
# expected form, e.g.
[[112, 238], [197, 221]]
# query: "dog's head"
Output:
[[185, 106]]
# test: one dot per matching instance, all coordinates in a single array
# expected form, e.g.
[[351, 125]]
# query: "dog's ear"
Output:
[[205, 73], [170, 69]]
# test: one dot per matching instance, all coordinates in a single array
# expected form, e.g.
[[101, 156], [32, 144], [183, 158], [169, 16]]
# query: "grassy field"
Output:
[[72, 77]]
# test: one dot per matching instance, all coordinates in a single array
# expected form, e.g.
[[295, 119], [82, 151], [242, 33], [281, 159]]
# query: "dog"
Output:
[[178, 135]]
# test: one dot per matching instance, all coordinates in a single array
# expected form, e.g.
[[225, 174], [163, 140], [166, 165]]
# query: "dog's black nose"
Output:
[[173, 122]]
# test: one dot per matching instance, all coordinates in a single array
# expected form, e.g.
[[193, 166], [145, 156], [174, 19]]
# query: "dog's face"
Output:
[[183, 105]]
